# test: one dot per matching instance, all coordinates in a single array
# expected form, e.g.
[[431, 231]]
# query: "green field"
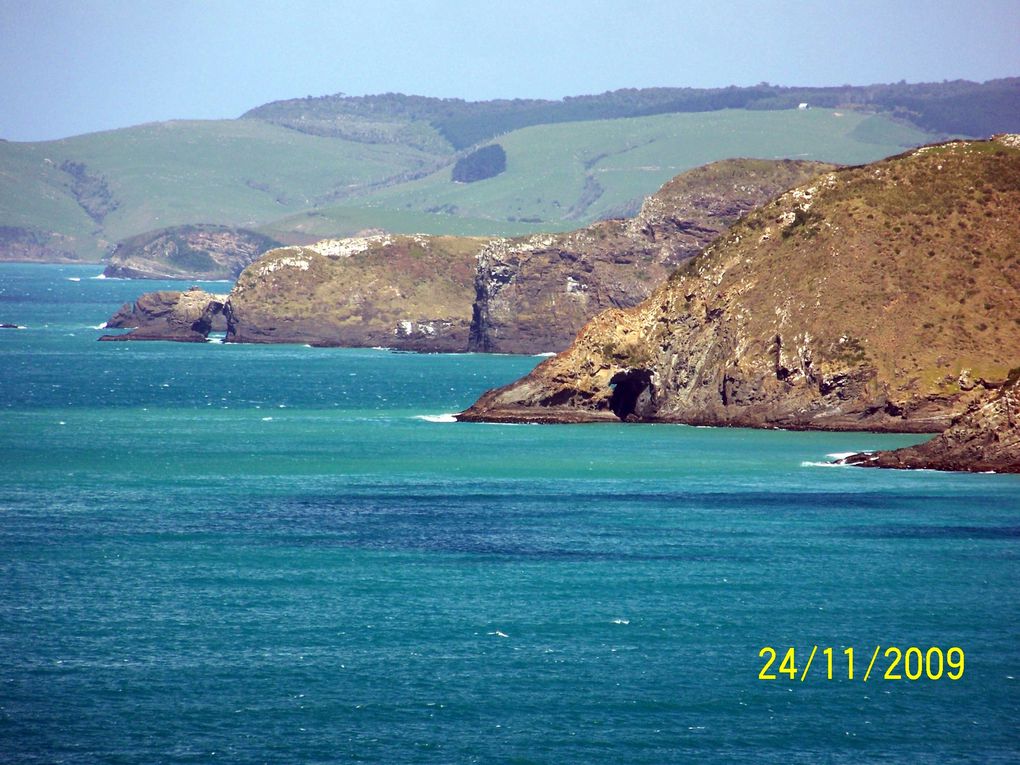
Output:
[[252, 173], [238, 172], [550, 166]]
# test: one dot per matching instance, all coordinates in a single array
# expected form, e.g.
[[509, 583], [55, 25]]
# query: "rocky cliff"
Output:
[[523, 295], [986, 438], [187, 316], [188, 252], [882, 297], [533, 294]]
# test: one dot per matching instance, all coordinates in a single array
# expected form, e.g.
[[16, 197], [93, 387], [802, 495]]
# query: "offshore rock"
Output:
[[188, 252], [187, 316], [882, 297]]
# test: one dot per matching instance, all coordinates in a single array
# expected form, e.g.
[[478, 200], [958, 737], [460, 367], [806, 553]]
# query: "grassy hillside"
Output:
[[238, 172], [97, 189], [581, 171]]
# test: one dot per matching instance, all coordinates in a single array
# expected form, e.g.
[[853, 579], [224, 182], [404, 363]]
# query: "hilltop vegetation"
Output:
[[480, 164], [960, 106]]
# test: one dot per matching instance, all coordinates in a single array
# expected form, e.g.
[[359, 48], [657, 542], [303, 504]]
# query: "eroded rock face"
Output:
[[188, 252], [187, 316], [533, 294], [986, 438], [876, 298]]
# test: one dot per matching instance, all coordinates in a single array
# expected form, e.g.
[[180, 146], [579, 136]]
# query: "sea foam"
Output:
[[437, 417]]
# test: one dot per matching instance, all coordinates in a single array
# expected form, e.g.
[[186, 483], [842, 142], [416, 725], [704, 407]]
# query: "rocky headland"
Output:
[[527, 294], [188, 252], [883, 297], [187, 316], [30, 245]]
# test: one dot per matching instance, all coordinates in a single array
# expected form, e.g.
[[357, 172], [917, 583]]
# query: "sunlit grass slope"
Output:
[[239, 172], [581, 171]]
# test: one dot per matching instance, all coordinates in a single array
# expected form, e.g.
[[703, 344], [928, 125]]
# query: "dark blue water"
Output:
[[222, 553]]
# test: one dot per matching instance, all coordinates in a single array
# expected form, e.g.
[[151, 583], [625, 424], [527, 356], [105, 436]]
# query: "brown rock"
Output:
[[985, 439], [187, 316], [533, 294]]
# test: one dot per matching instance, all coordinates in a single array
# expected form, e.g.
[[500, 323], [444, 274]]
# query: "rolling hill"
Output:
[[303, 169]]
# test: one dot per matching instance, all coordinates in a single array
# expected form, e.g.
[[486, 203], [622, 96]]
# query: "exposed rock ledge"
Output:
[[187, 316], [985, 439]]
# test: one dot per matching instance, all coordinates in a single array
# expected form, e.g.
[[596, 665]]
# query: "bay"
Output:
[[235, 553]]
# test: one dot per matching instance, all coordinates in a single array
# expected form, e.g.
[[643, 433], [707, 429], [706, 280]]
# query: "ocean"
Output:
[[283, 554]]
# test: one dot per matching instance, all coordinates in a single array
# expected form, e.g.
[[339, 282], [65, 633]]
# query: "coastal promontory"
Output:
[[985, 439], [527, 294], [883, 297]]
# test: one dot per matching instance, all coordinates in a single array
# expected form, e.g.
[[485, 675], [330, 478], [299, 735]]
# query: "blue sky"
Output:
[[70, 67]]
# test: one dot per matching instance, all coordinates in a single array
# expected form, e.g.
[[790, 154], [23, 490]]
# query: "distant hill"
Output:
[[969, 108], [563, 175], [335, 165]]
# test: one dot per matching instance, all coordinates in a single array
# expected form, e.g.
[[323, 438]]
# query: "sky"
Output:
[[76, 66]]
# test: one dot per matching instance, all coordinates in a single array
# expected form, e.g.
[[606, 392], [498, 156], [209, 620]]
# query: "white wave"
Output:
[[452, 417], [99, 326], [621, 621], [380, 348], [216, 340], [74, 278], [835, 459], [267, 419], [101, 276], [545, 355]]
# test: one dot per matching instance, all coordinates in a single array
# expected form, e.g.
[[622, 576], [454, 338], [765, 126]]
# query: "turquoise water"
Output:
[[217, 553]]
